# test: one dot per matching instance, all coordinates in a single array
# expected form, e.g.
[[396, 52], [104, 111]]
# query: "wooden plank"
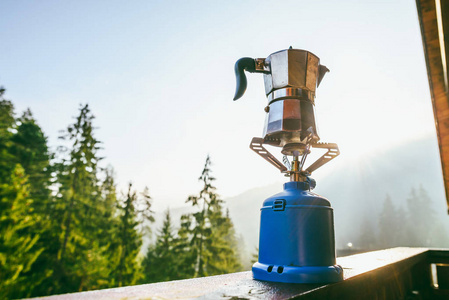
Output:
[[385, 271]]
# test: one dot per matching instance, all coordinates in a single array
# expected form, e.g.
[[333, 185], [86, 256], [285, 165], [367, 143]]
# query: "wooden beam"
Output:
[[427, 14]]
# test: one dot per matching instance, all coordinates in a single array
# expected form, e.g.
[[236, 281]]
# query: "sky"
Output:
[[159, 77]]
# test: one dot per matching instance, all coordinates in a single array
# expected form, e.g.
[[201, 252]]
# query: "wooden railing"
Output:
[[397, 273]]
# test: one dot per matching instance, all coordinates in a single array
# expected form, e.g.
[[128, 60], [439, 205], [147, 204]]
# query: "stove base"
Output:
[[292, 274]]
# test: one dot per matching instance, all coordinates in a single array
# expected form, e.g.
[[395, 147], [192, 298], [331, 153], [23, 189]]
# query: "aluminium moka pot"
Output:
[[296, 242]]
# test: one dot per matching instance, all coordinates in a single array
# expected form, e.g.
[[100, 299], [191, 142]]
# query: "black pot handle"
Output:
[[245, 63]]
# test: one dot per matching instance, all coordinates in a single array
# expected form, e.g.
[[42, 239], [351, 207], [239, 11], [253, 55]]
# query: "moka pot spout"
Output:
[[322, 70]]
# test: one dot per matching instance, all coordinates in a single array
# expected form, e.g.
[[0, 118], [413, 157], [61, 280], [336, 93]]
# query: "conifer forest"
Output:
[[65, 227]]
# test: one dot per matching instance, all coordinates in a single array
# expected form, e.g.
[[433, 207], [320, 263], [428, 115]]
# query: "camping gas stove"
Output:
[[296, 242]]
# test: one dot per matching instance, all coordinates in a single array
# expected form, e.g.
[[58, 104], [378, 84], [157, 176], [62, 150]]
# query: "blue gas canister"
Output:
[[297, 241]]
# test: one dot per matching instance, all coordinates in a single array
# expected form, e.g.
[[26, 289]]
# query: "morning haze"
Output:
[[153, 82]]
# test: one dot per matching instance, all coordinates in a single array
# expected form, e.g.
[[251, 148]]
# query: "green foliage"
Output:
[[63, 228], [205, 243], [81, 214], [134, 216], [210, 236], [161, 262], [255, 256], [7, 126], [17, 251], [224, 247], [29, 147], [111, 230], [6, 115], [23, 191]]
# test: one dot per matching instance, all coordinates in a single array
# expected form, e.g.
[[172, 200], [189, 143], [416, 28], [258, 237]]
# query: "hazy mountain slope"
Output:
[[357, 189]]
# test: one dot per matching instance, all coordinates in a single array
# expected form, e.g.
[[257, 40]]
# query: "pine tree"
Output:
[[112, 230], [144, 214], [29, 147], [388, 225], [21, 224], [224, 246], [161, 262], [134, 212], [242, 252], [426, 230], [367, 238], [404, 227], [7, 127], [80, 211], [210, 233], [185, 248], [132, 221]]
